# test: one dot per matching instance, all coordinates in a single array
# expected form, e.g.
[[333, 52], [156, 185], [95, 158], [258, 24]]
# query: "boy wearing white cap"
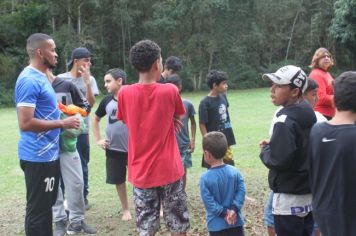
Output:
[[285, 154]]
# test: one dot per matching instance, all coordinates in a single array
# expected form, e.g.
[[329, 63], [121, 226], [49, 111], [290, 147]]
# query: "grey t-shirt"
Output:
[[79, 83], [116, 131], [183, 136]]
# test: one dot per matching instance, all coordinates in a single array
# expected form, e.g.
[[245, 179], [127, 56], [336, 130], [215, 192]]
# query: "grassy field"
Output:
[[250, 111]]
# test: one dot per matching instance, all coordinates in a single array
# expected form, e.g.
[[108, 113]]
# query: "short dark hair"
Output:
[[216, 143], [143, 54], [344, 91], [36, 41], [215, 77], [117, 73], [174, 79], [173, 63], [312, 85]]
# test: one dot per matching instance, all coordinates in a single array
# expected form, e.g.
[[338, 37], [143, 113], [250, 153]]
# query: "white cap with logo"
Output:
[[290, 74]]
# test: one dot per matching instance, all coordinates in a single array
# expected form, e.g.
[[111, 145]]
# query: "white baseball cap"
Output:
[[290, 74]]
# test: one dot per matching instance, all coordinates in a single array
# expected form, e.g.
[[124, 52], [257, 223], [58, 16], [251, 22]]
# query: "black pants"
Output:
[[289, 225], [236, 231], [42, 187]]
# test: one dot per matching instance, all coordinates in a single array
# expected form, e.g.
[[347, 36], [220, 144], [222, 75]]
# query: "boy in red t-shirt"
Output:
[[155, 168]]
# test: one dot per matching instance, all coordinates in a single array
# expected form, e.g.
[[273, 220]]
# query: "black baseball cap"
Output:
[[78, 53]]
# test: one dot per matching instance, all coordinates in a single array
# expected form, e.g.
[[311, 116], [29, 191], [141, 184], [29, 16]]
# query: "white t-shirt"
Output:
[[291, 204]]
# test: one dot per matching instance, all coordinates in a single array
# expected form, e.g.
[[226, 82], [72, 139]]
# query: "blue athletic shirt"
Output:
[[34, 90]]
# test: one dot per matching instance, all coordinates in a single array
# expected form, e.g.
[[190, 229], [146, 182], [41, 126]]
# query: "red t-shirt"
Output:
[[148, 111], [325, 104]]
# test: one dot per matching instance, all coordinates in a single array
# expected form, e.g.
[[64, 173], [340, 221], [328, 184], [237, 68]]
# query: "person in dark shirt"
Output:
[[116, 138], [285, 155], [332, 153], [71, 169], [214, 113], [171, 67]]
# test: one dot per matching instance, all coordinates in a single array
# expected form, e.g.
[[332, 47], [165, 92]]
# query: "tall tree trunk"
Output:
[[292, 31], [194, 82], [79, 19], [211, 57], [53, 25], [200, 79], [13, 6], [123, 36]]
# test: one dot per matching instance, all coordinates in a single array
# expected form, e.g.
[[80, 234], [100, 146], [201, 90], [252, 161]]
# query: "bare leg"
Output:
[[121, 191], [161, 211], [185, 178], [182, 234], [317, 232], [271, 231]]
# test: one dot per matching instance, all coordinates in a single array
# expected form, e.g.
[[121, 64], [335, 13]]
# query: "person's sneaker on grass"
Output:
[[60, 228], [80, 227]]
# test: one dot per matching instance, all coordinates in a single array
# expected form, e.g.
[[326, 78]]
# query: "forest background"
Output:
[[245, 38]]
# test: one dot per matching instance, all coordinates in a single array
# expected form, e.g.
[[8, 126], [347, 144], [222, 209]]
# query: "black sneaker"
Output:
[[86, 204], [80, 227], [60, 228]]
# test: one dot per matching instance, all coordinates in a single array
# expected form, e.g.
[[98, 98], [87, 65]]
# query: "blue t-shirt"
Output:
[[34, 90], [222, 188]]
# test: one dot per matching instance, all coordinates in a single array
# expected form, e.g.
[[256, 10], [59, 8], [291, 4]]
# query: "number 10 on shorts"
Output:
[[49, 184]]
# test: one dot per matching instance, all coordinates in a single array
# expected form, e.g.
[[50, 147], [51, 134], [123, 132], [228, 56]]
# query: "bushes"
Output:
[[6, 97]]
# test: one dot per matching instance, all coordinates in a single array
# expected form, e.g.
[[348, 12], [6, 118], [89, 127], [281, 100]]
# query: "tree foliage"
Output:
[[243, 37]]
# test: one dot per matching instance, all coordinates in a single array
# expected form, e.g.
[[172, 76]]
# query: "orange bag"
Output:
[[72, 109]]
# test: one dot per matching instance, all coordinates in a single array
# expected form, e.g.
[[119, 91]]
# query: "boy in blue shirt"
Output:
[[222, 189], [39, 123]]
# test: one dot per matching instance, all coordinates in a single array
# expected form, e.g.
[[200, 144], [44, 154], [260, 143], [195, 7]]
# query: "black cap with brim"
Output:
[[78, 53]]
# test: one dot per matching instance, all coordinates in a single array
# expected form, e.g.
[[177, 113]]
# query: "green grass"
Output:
[[250, 111]]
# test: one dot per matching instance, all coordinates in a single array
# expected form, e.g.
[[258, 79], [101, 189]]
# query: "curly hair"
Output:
[[143, 54], [215, 77], [319, 54]]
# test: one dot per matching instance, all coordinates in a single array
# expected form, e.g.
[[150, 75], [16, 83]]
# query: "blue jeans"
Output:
[[83, 150], [267, 216]]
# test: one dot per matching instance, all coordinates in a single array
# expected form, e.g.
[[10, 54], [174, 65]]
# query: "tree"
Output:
[[343, 27]]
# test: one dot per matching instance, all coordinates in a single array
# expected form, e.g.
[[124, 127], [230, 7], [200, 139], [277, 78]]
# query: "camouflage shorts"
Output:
[[175, 212]]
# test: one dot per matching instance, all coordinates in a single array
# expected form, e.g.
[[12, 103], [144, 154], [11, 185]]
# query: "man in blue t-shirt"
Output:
[[39, 124]]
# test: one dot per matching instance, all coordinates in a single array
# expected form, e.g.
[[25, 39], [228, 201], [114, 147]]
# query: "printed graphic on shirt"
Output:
[[112, 117]]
